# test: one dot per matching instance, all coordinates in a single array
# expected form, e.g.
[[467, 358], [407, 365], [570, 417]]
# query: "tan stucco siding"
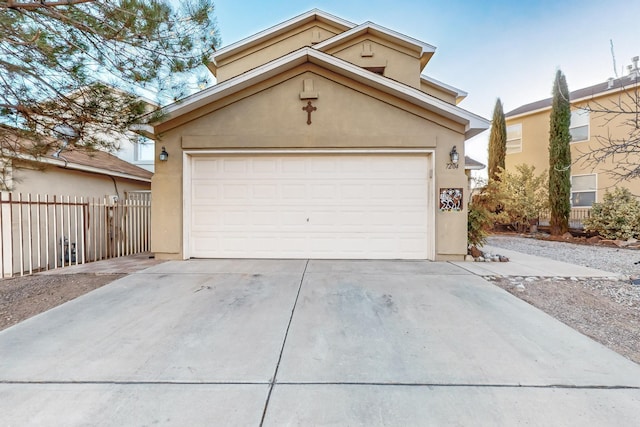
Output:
[[535, 144], [348, 115], [59, 181], [273, 48], [399, 63], [437, 93], [274, 118], [451, 227]]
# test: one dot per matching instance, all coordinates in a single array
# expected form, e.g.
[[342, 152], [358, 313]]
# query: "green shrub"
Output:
[[479, 221], [524, 194], [617, 217]]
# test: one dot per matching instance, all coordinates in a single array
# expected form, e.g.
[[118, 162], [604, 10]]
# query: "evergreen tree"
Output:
[[560, 157], [83, 65], [497, 142]]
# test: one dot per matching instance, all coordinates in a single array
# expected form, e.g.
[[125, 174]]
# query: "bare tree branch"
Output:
[[37, 4]]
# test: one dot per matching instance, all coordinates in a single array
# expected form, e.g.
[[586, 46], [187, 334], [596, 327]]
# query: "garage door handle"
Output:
[[307, 219]]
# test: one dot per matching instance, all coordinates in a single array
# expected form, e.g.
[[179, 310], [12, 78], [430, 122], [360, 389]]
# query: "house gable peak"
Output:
[[424, 50], [275, 31]]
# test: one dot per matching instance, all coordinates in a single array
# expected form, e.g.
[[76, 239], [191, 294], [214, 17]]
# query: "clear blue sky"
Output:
[[488, 48]]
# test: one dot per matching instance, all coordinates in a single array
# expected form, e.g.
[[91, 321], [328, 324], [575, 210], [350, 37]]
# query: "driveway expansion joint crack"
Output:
[[462, 385], [124, 383], [274, 379], [316, 383]]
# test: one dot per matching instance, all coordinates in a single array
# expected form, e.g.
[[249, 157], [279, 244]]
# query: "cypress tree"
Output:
[[497, 141], [560, 157]]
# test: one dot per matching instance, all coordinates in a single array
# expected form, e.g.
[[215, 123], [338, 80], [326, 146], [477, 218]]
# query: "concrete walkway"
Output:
[[529, 265], [296, 342]]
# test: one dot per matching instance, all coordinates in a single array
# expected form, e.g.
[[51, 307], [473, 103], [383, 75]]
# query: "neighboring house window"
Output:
[[583, 190], [579, 128], [144, 150], [514, 138]]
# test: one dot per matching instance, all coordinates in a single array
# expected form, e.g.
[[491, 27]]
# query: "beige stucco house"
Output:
[[593, 123], [321, 139], [75, 173]]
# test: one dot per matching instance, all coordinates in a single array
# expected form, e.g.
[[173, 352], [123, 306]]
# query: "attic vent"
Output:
[[307, 90], [610, 82], [316, 36], [367, 52], [377, 70]]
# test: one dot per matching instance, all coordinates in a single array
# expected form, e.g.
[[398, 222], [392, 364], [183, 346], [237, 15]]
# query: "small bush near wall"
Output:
[[479, 221], [617, 217]]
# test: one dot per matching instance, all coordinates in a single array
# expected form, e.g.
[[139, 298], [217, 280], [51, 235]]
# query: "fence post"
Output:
[[6, 229]]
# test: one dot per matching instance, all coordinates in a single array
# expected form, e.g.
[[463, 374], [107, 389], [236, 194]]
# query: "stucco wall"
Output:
[[273, 48], [400, 64], [535, 145], [58, 181], [270, 116]]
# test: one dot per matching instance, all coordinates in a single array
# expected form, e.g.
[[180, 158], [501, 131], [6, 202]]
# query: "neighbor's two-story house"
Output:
[[593, 122], [321, 139]]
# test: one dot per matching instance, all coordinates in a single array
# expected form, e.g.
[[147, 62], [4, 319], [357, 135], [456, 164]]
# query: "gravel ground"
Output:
[[24, 297], [616, 260], [604, 309]]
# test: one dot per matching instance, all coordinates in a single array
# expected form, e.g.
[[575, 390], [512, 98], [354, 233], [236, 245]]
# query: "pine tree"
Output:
[[497, 142], [84, 64], [560, 157]]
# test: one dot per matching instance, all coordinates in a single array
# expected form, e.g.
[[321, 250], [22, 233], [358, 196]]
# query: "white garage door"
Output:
[[309, 206]]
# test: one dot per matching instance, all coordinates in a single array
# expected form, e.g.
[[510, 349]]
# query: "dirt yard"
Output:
[[606, 310], [24, 297]]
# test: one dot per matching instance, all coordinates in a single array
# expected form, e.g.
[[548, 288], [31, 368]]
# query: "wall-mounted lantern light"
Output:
[[454, 157], [164, 156]]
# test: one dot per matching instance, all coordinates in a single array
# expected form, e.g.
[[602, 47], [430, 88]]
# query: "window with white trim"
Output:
[[514, 138], [583, 190], [579, 128]]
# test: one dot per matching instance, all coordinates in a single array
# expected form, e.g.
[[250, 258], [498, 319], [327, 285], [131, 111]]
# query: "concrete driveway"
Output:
[[296, 342]]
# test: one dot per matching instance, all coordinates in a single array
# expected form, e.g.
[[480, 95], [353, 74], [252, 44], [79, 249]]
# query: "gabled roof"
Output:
[[459, 94], [102, 163], [98, 162], [474, 124], [583, 94], [425, 50], [269, 33], [95, 161]]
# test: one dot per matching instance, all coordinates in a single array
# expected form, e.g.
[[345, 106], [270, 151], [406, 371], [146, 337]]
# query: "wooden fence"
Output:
[[40, 233]]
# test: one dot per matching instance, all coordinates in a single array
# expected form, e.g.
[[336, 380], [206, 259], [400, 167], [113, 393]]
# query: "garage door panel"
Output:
[[266, 191], [315, 206], [264, 166], [234, 166]]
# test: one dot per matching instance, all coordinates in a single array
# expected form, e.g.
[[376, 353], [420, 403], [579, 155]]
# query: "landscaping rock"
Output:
[[475, 252]]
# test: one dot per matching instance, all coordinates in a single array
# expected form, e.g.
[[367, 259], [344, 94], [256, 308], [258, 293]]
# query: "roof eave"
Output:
[[83, 168], [473, 124], [459, 94], [424, 50], [609, 91], [277, 30]]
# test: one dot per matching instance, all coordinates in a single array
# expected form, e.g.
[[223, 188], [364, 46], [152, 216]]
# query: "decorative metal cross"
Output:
[[309, 109]]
